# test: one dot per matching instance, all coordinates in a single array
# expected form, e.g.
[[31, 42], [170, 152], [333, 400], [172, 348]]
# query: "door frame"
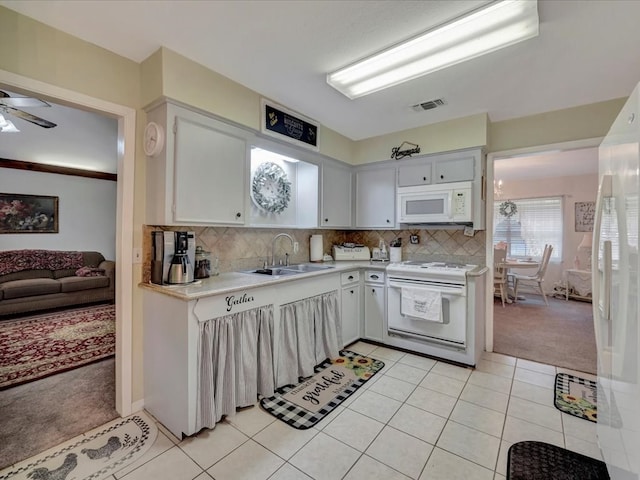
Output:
[[126, 117], [491, 157]]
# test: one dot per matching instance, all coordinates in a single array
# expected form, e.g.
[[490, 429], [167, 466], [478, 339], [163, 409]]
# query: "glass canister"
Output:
[[202, 263]]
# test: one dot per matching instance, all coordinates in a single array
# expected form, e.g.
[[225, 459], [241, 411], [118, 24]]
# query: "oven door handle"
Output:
[[434, 288]]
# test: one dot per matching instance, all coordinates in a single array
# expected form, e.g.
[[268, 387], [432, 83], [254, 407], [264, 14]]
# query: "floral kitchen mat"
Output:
[[576, 396], [305, 404]]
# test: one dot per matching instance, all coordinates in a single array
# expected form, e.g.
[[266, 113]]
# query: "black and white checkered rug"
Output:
[[300, 418]]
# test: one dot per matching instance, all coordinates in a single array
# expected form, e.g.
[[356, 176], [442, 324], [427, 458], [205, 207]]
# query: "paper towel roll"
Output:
[[316, 248]]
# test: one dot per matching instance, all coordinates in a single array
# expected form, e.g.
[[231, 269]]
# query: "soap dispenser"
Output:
[[383, 250]]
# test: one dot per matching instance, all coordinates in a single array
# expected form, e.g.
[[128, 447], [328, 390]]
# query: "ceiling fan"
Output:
[[11, 105]]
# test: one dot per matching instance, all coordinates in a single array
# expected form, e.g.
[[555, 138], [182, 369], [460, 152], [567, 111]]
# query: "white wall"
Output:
[[581, 188], [86, 212]]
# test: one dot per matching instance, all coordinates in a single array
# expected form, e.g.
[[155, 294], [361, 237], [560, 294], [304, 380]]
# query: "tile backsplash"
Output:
[[239, 248]]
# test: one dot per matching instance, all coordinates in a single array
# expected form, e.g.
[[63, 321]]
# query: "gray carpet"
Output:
[[44, 413], [560, 334]]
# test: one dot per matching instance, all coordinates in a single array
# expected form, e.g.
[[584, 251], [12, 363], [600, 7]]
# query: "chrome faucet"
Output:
[[273, 245]]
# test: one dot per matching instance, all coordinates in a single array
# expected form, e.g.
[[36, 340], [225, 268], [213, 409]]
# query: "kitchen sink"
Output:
[[289, 269], [305, 267]]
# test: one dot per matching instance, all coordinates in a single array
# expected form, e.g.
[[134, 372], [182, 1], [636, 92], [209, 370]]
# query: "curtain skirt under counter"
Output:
[[309, 333], [235, 360]]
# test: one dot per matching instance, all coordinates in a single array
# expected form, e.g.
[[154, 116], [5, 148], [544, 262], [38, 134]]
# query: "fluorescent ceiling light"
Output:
[[491, 28], [7, 126]]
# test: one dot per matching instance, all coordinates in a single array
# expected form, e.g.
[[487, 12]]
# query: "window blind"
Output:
[[537, 222]]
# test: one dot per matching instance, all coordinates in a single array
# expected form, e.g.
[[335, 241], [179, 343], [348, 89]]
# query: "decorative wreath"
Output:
[[270, 189], [508, 209]]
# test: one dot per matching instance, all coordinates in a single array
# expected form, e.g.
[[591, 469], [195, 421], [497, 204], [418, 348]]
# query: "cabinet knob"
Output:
[[326, 219], [441, 176], [424, 179], [388, 221], [351, 292], [375, 277], [373, 291], [238, 215], [350, 277]]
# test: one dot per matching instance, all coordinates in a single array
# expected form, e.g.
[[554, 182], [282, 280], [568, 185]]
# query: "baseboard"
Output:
[[137, 406]]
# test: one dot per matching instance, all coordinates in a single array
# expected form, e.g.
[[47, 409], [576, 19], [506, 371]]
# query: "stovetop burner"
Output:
[[440, 265], [430, 269]]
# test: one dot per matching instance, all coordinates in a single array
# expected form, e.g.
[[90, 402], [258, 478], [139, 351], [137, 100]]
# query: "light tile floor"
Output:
[[416, 419]]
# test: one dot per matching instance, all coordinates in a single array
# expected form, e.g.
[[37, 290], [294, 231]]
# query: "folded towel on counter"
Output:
[[422, 304]]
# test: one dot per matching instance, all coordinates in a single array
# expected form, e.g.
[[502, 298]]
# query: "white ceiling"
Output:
[[586, 52], [545, 165], [80, 139]]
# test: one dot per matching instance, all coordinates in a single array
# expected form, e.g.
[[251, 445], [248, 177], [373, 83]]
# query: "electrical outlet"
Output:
[[137, 255], [296, 247]]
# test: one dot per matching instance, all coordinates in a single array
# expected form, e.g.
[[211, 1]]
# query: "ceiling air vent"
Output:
[[429, 105]]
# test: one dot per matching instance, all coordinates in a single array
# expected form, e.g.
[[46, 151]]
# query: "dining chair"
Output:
[[536, 279], [500, 273]]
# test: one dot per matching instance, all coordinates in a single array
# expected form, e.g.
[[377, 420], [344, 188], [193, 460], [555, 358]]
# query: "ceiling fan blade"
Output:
[[29, 117], [21, 102]]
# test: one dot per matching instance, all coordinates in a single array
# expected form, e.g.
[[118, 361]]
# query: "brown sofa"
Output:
[[74, 278]]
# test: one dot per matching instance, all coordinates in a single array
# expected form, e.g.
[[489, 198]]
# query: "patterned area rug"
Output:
[[305, 404], [576, 396], [93, 456], [38, 346]]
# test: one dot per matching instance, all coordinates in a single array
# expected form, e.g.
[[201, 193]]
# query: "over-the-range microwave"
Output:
[[438, 203]]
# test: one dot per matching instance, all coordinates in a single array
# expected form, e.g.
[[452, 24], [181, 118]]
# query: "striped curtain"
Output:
[[235, 363], [310, 332]]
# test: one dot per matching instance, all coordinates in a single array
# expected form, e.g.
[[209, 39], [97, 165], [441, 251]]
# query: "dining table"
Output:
[[516, 263]]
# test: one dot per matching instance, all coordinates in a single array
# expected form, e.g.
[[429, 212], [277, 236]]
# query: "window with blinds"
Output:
[[537, 222]]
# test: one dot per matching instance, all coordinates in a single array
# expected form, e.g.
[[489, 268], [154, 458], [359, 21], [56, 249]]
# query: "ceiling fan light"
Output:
[[7, 126], [491, 28]]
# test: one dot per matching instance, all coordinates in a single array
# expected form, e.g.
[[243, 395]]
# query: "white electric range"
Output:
[[446, 335]]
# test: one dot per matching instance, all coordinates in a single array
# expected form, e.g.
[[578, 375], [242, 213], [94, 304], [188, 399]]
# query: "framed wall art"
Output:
[[279, 122], [585, 212], [28, 213]]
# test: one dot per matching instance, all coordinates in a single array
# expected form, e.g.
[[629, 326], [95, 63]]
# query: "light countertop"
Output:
[[234, 281]]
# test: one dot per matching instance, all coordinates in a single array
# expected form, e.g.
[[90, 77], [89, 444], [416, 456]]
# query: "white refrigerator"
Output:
[[616, 292]]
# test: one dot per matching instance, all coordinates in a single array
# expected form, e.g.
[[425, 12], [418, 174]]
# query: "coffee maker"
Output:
[[173, 257]]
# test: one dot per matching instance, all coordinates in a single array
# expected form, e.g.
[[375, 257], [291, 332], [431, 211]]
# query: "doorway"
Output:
[[514, 177], [126, 117]]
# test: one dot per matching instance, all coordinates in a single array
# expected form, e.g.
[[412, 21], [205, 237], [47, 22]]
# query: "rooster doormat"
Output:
[[92, 456], [305, 404]]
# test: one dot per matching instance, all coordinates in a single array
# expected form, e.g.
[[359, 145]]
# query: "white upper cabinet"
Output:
[[210, 169], [375, 198], [336, 196], [200, 176], [411, 175], [454, 169]]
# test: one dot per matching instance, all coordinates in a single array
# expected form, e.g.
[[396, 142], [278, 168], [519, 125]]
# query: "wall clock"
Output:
[[153, 139]]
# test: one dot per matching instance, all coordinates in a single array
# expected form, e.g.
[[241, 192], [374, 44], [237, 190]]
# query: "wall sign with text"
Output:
[[284, 124]]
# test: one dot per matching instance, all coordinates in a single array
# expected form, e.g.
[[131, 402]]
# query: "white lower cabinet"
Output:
[[374, 308], [350, 310], [350, 313]]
